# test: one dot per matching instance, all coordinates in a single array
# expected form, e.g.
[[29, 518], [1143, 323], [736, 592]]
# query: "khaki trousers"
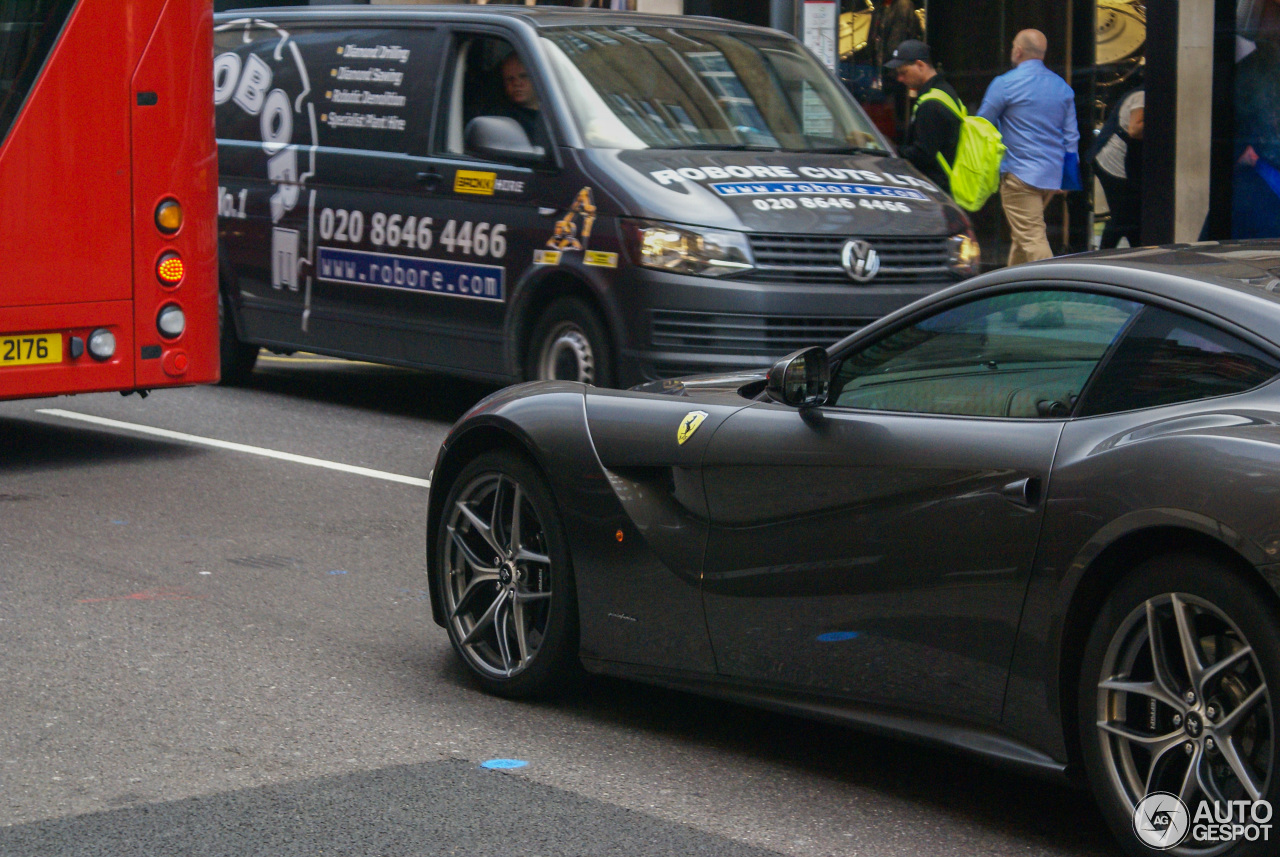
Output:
[[1024, 209]]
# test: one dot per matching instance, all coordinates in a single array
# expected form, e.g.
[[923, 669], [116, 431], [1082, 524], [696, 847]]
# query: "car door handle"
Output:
[[1024, 492], [430, 180]]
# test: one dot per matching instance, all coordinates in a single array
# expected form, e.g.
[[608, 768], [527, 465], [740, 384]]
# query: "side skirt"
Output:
[[992, 746]]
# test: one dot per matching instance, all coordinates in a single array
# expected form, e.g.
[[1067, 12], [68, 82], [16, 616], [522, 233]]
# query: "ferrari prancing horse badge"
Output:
[[689, 425]]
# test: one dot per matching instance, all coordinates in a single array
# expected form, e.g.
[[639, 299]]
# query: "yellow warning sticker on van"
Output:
[[600, 259], [469, 181], [546, 257]]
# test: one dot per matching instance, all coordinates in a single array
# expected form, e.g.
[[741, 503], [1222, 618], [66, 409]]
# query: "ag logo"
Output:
[[859, 260], [689, 425], [1161, 821], [566, 237]]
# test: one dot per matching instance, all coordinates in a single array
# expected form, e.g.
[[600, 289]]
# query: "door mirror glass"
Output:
[[500, 138], [800, 379]]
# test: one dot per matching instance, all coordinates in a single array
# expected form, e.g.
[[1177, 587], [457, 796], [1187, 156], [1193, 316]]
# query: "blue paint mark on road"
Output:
[[119, 522], [338, 571], [503, 764], [837, 636]]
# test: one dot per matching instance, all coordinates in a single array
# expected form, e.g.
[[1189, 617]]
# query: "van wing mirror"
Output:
[[801, 379], [500, 138]]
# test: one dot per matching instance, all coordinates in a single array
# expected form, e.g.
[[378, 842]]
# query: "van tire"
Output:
[[237, 358], [569, 343]]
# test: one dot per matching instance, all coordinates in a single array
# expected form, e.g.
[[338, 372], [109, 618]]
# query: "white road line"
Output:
[[236, 447]]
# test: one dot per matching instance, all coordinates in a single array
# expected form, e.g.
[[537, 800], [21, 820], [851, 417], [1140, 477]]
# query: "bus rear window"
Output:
[[28, 32]]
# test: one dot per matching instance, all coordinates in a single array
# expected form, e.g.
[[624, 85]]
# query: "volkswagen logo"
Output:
[[859, 260]]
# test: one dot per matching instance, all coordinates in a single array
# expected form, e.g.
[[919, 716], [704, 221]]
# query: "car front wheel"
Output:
[[505, 579], [1178, 710]]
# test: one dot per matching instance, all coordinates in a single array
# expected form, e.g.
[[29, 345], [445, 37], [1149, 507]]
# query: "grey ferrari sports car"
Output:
[[1035, 516]]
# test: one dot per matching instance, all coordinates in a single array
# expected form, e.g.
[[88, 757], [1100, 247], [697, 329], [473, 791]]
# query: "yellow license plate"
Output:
[[26, 350]]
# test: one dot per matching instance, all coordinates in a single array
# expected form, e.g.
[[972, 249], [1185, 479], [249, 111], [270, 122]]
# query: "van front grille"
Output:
[[763, 336], [815, 259]]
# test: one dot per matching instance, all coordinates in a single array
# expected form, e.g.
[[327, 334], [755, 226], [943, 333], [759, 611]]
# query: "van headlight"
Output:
[[688, 250], [965, 254]]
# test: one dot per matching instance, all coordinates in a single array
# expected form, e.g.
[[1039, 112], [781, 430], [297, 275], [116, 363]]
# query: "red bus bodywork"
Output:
[[119, 120]]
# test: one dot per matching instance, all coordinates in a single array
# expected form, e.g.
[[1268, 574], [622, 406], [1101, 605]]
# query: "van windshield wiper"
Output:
[[846, 150], [724, 147]]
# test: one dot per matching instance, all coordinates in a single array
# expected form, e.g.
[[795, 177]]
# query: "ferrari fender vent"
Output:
[[816, 259]]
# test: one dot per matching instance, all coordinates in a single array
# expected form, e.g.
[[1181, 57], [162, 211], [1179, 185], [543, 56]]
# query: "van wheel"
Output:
[[237, 358], [569, 343], [1178, 707]]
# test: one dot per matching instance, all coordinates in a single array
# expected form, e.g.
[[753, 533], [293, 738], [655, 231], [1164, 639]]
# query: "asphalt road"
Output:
[[208, 651]]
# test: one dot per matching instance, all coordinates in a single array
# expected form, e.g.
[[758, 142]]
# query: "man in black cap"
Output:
[[934, 130]]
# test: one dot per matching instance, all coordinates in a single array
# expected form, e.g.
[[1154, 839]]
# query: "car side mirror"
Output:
[[801, 379], [500, 138]]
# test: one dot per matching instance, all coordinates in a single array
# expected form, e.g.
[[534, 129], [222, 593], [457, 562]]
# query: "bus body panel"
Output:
[[114, 124], [89, 376], [175, 155], [57, 215]]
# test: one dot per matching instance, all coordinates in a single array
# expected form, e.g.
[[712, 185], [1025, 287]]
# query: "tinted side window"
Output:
[[1167, 358], [364, 89], [28, 32], [490, 78], [1027, 354]]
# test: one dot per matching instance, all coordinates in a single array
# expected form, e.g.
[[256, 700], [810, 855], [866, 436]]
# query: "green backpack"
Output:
[[976, 173]]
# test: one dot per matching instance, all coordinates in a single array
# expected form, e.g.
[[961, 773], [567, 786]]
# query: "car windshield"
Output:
[[683, 88]]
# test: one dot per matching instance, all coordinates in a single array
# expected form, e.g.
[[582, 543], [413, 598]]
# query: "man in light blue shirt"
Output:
[[1035, 111]]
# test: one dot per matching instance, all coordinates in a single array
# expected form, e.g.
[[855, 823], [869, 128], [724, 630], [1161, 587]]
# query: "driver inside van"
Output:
[[522, 99]]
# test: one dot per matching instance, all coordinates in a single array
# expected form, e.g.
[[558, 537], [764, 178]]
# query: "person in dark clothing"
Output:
[[935, 128], [1117, 156], [522, 99]]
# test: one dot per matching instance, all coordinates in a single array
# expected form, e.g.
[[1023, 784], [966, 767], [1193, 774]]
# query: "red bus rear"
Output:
[[108, 181]]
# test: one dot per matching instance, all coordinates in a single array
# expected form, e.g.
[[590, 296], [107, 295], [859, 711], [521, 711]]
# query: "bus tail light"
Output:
[[170, 269], [171, 321], [169, 216], [102, 344]]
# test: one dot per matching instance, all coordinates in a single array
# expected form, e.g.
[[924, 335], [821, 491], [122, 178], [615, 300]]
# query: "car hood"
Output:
[[739, 190]]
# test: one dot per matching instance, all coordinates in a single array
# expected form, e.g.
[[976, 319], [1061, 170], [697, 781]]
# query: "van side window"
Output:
[[347, 89], [490, 78]]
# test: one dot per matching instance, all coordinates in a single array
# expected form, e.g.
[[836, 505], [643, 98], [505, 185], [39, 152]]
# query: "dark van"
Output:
[[512, 193]]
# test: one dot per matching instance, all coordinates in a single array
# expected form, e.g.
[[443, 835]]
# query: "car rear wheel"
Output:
[[569, 343], [237, 358], [1178, 699], [505, 579]]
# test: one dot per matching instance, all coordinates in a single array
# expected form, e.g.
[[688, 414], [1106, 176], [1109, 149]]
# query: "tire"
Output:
[[237, 358], [569, 343], [1174, 725], [511, 609]]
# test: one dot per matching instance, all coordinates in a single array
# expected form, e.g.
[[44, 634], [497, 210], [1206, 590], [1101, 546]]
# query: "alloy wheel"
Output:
[[1183, 706], [498, 576]]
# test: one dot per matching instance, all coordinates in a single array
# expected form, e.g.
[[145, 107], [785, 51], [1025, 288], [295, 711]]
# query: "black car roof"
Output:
[[1238, 281], [535, 16]]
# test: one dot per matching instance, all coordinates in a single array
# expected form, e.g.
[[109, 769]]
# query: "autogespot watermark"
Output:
[[1162, 821]]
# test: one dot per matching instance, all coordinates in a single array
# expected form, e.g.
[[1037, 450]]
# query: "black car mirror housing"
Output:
[[801, 379], [500, 138]]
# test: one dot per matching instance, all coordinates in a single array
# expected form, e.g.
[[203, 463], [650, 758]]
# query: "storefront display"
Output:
[[1255, 208]]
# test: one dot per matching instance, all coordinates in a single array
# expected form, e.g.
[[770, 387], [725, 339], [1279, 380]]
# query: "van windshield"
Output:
[[691, 88]]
